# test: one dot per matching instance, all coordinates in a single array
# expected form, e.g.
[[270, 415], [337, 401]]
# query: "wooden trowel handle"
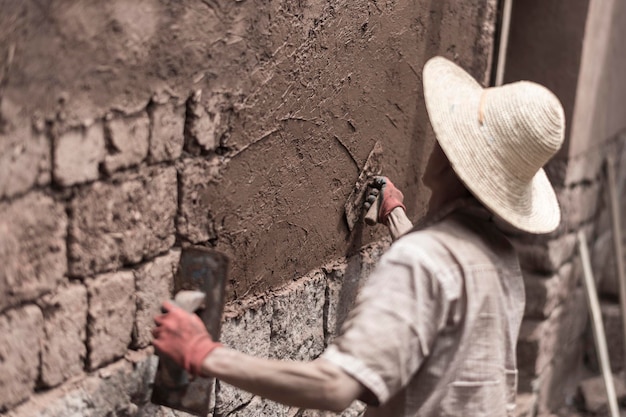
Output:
[[371, 217]]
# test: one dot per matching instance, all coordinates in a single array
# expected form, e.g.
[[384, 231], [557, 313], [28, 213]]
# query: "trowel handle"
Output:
[[371, 217]]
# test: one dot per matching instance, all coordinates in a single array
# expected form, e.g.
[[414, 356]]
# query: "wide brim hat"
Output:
[[497, 140]]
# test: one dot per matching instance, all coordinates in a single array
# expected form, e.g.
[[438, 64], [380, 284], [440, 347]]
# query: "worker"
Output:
[[434, 329]]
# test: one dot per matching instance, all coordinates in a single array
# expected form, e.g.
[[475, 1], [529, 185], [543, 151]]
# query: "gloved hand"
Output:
[[391, 197], [183, 337]]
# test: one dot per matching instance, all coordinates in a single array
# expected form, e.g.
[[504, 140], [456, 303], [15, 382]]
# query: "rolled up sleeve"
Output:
[[394, 323]]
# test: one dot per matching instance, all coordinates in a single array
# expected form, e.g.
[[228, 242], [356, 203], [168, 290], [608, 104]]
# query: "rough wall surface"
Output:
[[131, 128]]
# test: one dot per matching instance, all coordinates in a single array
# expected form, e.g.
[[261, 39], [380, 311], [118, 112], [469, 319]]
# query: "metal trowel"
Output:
[[199, 287], [354, 203]]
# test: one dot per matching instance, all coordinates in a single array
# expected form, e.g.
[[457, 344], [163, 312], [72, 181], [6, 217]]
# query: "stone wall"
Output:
[[130, 129]]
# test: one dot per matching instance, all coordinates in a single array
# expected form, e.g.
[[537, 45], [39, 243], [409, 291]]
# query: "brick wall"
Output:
[[555, 349], [128, 129]]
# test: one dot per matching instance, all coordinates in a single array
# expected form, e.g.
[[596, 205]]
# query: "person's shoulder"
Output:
[[420, 248]]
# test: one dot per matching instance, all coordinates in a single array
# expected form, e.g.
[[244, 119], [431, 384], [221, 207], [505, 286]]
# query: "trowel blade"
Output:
[[200, 270], [354, 203]]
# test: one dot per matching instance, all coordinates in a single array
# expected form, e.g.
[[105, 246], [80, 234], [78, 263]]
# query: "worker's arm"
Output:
[[318, 384], [391, 212]]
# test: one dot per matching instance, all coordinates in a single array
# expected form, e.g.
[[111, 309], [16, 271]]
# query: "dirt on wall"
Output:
[[294, 94]]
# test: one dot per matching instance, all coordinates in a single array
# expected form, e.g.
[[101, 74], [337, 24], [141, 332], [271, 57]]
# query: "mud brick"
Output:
[[78, 154], [194, 223], [21, 333], [248, 332], [24, 153], [128, 140], [111, 316], [545, 293], [579, 203], [154, 283], [167, 132], [113, 224], [557, 384], [566, 172], [545, 256], [297, 320], [612, 320], [65, 322], [205, 123], [120, 389], [32, 248], [541, 340]]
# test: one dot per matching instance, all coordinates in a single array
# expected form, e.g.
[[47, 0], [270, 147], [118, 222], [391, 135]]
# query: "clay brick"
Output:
[[78, 154], [123, 222], [167, 132], [604, 265], [21, 333], [32, 248], [120, 389], [65, 321], [249, 333], [154, 283], [557, 384], [545, 256], [297, 320], [24, 160], [111, 316], [194, 223], [545, 293], [128, 141], [579, 204], [541, 340], [611, 318], [202, 125]]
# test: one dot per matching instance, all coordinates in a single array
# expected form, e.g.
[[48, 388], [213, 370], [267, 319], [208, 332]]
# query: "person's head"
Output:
[[444, 184], [497, 141]]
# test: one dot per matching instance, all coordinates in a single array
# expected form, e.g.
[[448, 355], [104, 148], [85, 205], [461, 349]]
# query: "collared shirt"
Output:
[[433, 331]]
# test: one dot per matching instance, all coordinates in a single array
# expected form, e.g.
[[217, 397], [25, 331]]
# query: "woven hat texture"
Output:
[[497, 140]]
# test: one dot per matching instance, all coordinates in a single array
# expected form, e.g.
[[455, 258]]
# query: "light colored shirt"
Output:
[[434, 329]]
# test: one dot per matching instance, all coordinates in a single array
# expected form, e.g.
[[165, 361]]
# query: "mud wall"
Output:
[[129, 129]]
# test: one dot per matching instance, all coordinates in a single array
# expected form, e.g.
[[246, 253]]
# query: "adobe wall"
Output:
[[129, 129]]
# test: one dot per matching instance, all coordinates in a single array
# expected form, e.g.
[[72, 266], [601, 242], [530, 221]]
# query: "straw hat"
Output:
[[497, 140]]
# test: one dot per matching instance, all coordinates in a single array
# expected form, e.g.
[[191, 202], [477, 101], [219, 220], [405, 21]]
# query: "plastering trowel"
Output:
[[199, 287], [354, 203]]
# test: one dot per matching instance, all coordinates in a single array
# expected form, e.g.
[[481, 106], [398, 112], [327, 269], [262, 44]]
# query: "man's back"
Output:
[[441, 314]]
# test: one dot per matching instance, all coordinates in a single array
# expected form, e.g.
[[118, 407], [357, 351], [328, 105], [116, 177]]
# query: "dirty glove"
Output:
[[183, 337], [391, 197]]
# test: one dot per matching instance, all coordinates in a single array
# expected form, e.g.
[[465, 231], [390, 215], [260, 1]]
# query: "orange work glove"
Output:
[[391, 197], [183, 337]]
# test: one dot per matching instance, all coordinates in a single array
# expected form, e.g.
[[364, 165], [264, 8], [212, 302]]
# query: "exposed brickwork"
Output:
[[111, 316], [286, 117], [123, 221], [24, 155], [32, 248], [65, 323], [167, 132], [21, 335], [78, 154], [127, 140], [194, 222], [154, 283]]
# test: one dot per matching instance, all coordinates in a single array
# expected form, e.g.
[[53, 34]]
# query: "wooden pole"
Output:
[[504, 41], [617, 242], [596, 325]]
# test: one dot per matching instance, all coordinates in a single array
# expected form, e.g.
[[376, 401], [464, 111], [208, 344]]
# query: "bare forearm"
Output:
[[318, 384]]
